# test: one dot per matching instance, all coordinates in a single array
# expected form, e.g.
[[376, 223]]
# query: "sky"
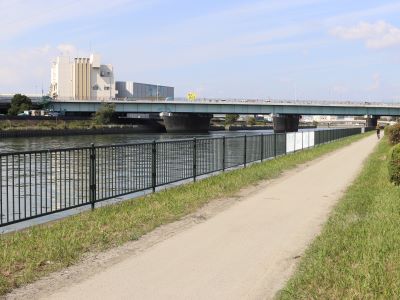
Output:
[[299, 49]]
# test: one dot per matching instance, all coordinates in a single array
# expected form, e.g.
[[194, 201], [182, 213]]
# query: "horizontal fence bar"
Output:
[[39, 183]]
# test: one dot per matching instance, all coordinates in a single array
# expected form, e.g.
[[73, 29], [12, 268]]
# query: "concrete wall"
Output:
[[81, 79], [135, 90], [103, 85], [62, 78]]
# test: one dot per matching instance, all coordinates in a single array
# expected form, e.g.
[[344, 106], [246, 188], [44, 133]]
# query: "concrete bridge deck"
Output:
[[238, 107]]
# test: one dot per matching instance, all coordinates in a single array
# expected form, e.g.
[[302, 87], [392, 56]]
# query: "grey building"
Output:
[[135, 90]]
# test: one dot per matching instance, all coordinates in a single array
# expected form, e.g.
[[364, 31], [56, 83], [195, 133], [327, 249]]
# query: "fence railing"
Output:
[[38, 183]]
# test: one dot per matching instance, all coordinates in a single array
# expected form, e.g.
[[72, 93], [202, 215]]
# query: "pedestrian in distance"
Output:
[[378, 132]]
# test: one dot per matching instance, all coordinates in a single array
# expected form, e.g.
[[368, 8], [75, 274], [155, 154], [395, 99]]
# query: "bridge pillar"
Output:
[[286, 123], [186, 122], [372, 121]]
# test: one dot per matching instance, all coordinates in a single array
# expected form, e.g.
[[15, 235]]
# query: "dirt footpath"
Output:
[[245, 251]]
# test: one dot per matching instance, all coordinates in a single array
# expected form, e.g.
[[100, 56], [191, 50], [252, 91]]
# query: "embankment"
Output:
[[32, 253]]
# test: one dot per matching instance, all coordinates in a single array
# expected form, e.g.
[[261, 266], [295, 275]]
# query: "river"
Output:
[[55, 142]]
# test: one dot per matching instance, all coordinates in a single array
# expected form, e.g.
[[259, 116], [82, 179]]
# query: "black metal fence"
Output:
[[38, 183]]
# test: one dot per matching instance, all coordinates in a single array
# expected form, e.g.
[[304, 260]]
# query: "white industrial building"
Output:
[[134, 90], [82, 79]]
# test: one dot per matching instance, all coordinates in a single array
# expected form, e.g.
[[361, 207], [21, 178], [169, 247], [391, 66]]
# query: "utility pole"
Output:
[[110, 85]]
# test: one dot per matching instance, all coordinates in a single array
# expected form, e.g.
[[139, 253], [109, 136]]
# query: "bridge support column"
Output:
[[186, 122], [286, 123], [372, 121]]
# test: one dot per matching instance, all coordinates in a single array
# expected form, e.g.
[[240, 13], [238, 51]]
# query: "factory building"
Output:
[[82, 79], [134, 90]]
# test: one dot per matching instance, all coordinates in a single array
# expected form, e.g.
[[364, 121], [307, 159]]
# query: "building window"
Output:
[[95, 87], [106, 88]]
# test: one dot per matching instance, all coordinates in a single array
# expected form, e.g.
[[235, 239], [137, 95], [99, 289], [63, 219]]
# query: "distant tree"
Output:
[[231, 118], [104, 114], [45, 102], [19, 103], [251, 121]]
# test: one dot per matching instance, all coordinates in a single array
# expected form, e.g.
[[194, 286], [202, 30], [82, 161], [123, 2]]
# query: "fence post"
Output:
[[92, 176], [223, 153], [245, 150], [153, 165], [194, 159], [262, 147], [275, 145]]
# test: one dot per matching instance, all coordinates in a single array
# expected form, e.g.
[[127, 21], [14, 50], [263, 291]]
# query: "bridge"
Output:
[[184, 115]]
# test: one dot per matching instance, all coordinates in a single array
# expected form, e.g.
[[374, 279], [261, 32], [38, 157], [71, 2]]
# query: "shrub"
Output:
[[393, 133], [251, 121], [394, 165], [231, 118], [387, 130], [105, 114], [19, 103]]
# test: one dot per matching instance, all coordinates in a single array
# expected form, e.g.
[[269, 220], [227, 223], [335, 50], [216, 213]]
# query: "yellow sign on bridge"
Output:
[[191, 96]]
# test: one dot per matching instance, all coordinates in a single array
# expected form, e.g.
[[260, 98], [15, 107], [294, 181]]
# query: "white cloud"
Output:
[[377, 35], [382, 10], [20, 16], [252, 9], [29, 65], [222, 35]]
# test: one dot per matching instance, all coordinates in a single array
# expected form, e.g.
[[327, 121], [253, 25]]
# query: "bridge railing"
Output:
[[39, 183]]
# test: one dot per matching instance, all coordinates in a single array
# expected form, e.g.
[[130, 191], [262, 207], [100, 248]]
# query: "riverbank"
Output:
[[69, 126], [44, 123], [115, 129], [37, 251], [357, 254]]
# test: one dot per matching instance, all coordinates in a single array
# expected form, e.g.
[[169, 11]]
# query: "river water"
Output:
[[55, 142]]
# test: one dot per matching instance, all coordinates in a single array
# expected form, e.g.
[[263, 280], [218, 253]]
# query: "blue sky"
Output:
[[304, 49]]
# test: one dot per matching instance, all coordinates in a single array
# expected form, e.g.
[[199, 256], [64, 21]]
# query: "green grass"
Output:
[[29, 254], [357, 255], [50, 124]]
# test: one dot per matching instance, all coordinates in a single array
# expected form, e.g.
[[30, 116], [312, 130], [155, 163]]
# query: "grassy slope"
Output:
[[32, 253], [357, 255], [44, 124]]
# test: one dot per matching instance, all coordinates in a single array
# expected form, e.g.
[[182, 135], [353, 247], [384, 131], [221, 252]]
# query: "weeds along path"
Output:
[[246, 251]]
